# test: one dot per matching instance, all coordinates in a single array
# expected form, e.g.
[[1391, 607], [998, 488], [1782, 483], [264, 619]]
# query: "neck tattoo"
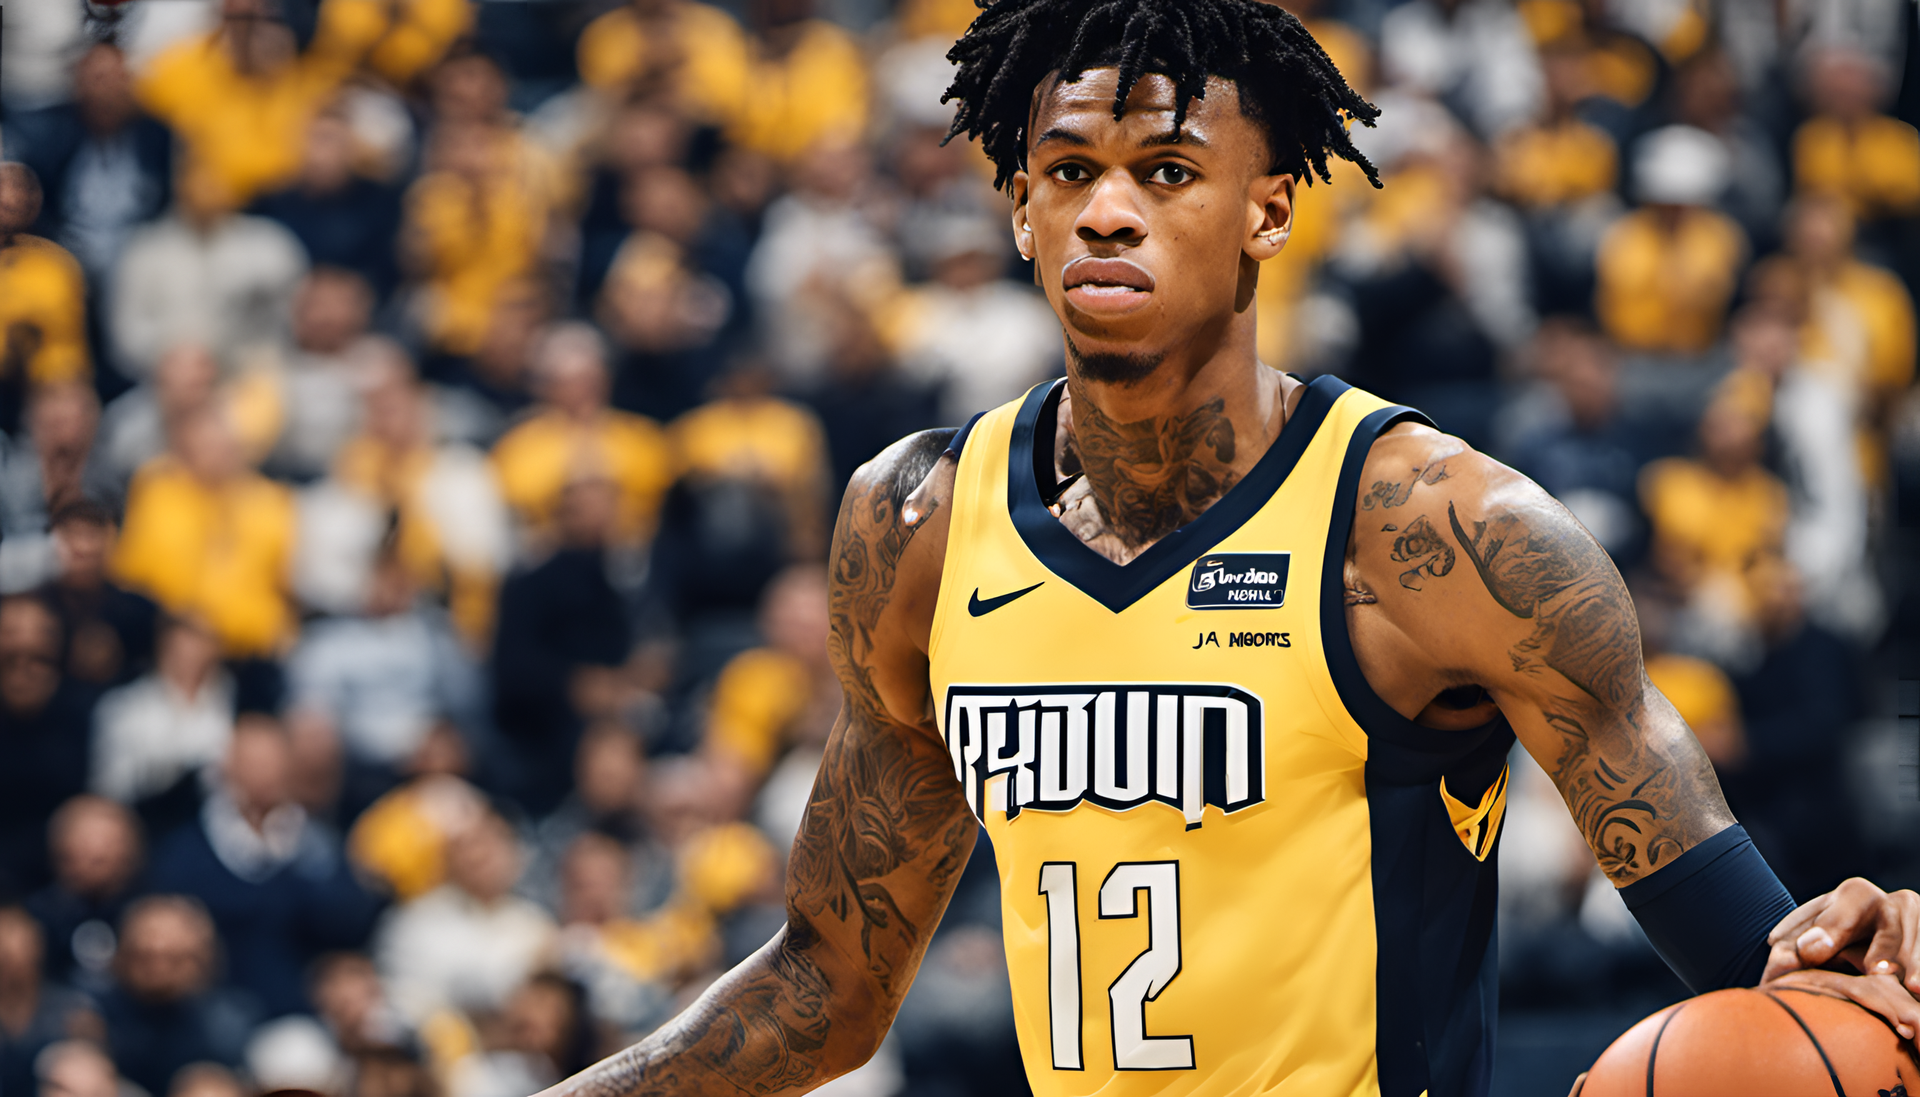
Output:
[[1148, 478]]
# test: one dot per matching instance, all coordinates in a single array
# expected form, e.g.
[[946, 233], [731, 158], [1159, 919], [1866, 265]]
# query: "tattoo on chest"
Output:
[[1151, 477]]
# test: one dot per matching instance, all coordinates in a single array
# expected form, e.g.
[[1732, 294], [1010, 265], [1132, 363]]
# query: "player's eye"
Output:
[[1171, 174], [1071, 173]]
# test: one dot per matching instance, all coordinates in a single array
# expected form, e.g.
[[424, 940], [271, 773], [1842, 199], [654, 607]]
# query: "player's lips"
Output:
[[1108, 286]]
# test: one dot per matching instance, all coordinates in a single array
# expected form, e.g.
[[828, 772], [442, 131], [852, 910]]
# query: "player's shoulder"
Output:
[[889, 547], [1412, 452], [1413, 459], [894, 512], [897, 471]]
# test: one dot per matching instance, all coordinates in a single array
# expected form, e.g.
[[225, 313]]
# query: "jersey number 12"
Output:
[[1140, 983]]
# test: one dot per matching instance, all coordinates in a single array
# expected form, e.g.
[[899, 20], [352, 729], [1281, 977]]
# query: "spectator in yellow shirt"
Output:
[[1699, 690], [240, 97], [770, 697], [1850, 149], [1614, 64], [1716, 516], [748, 434], [1875, 354], [479, 217], [417, 36], [1560, 159], [1666, 272], [695, 53], [449, 527], [573, 434], [207, 536], [1859, 330], [808, 83], [42, 297]]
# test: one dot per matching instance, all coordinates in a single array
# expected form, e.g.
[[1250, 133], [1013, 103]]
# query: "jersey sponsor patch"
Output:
[[1119, 746], [1239, 580]]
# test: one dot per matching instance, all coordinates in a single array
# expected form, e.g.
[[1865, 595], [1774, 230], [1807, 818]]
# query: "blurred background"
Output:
[[423, 422]]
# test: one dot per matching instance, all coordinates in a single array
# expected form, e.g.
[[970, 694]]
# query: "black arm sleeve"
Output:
[[1708, 914]]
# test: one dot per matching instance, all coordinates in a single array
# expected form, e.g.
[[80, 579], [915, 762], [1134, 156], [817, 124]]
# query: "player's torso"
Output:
[[1176, 794]]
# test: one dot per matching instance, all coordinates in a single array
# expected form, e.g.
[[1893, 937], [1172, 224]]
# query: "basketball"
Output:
[[1775, 1042]]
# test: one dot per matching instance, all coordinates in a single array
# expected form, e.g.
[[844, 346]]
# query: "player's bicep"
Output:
[[1552, 600]]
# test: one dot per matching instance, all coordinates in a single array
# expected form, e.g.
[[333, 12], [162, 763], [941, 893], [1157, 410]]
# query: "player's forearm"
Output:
[[1638, 784], [782, 1022]]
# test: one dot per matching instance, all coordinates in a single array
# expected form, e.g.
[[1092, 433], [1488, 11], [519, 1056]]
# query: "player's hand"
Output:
[[1882, 994], [1877, 932]]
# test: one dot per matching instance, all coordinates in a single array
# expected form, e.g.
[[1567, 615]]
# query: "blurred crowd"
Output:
[[421, 424]]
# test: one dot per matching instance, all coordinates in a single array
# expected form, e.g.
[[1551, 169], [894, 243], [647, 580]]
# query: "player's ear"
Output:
[[1022, 228], [1269, 216]]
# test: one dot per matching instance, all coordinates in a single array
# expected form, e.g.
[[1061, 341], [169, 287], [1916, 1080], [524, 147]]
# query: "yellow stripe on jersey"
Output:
[[1478, 824]]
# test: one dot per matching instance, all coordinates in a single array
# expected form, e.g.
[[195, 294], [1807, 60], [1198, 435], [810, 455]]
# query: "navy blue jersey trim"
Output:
[[1434, 903], [1377, 718], [958, 443], [1117, 586], [1436, 971]]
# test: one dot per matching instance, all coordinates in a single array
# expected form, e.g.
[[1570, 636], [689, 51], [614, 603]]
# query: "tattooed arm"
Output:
[[1469, 588], [885, 836]]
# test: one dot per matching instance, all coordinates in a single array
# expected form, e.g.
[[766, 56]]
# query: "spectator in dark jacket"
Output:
[[45, 735], [164, 1011], [342, 218], [275, 882], [109, 629], [104, 166], [1796, 706], [562, 635], [1590, 456], [96, 865], [33, 1015]]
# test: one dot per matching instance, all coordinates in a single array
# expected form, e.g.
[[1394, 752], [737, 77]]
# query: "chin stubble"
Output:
[[1113, 369]]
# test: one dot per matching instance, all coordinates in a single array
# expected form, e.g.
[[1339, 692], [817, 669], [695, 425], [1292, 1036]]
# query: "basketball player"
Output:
[[1227, 662]]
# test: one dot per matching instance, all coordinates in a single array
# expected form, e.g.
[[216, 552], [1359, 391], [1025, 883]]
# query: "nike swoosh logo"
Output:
[[980, 608]]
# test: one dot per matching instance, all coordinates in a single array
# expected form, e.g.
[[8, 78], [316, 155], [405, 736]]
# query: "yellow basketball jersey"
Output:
[[1226, 866]]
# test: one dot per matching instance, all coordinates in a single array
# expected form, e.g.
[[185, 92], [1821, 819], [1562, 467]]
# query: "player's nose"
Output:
[[1112, 212]]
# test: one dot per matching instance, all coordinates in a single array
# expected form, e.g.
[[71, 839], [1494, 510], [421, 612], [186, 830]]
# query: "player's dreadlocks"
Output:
[[1285, 81]]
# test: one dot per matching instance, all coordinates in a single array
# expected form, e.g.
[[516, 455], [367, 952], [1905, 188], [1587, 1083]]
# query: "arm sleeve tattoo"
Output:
[[885, 836]]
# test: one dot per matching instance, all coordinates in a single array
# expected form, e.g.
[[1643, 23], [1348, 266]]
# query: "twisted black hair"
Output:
[[1285, 80]]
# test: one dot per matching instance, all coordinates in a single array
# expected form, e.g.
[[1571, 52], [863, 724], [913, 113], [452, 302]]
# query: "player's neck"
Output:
[[1157, 452]]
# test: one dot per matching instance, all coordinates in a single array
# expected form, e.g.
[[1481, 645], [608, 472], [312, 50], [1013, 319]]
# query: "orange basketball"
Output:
[[1776, 1042]]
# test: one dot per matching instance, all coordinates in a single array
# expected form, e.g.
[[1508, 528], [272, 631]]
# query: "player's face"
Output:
[[1146, 238]]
